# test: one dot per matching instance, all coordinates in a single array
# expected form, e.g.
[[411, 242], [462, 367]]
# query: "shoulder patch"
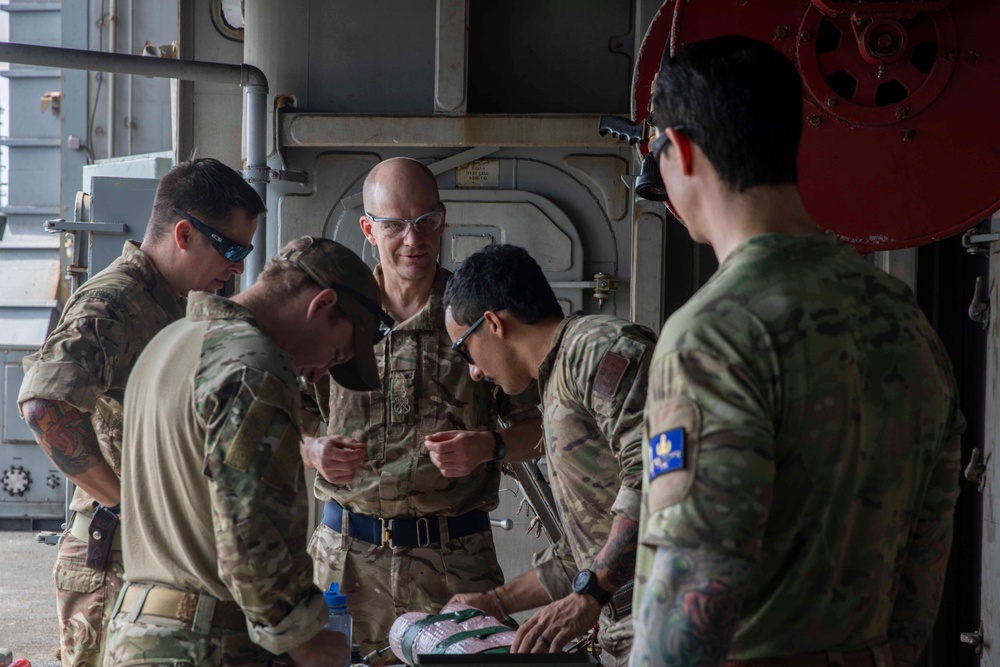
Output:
[[666, 452], [673, 438], [610, 374]]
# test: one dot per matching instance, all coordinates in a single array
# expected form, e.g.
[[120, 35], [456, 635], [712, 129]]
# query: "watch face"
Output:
[[581, 580]]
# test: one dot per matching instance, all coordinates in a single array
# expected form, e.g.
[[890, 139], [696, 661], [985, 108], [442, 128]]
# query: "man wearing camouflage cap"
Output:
[[802, 424], [591, 372], [213, 501], [203, 220]]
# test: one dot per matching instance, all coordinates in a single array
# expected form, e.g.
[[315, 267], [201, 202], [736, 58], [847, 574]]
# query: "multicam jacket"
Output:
[[87, 358], [213, 492], [426, 389], [803, 421], [593, 388]]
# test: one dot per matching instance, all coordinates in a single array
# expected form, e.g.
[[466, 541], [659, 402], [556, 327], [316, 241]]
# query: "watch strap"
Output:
[[499, 447]]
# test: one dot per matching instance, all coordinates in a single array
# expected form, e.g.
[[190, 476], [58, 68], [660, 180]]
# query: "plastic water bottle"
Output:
[[340, 619]]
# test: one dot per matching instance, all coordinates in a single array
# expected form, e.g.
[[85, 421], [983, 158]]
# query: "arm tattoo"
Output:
[[65, 435], [616, 560], [688, 612]]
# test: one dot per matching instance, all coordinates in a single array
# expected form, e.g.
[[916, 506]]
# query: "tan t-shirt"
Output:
[[213, 492]]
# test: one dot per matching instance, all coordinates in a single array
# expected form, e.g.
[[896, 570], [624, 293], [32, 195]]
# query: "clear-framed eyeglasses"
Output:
[[428, 223]]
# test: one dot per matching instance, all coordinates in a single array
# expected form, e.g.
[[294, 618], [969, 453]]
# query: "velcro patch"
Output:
[[666, 452], [610, 374], [673, 437], [282, 467]]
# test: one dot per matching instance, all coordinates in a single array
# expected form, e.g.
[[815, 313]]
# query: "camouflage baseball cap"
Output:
[[333, 265]]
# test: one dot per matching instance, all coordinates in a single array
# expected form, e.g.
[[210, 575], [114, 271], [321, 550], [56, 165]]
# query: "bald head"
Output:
[[394, 182]]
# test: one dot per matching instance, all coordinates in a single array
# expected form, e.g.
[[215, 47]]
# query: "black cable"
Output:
[[97, 92]]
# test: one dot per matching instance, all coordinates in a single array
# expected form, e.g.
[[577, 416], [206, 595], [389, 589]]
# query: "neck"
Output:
[[159, 254], [536, 341], [267, 314], [404, 298], [732, 219]]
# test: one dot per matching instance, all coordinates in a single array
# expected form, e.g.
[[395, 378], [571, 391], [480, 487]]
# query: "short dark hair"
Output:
[[205, 188], [740, 100], [500, 276]]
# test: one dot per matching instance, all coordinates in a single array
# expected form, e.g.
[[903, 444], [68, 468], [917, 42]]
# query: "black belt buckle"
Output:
[[100, 538]]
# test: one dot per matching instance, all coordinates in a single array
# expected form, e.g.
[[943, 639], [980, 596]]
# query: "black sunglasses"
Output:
[[459, 345], [650, 183], [232, 251], [385, 321]]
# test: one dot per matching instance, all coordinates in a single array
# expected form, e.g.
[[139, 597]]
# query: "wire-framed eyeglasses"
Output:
[[428, 223]]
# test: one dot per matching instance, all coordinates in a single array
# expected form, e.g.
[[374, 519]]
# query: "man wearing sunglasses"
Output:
[[409, 473], [591, 371], [216, 512], [802, 424], [72, 392]]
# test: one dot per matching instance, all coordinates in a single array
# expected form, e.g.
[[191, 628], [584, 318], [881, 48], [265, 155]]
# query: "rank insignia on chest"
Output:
[[666, 452]]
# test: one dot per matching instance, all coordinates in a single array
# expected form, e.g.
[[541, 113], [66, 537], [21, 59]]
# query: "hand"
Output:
[[325, 648], [335, 457], [458, 453], [485, 601], [559, 622]]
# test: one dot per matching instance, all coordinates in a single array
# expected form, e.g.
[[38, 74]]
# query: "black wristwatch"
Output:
[[499, 447], [585, 583]]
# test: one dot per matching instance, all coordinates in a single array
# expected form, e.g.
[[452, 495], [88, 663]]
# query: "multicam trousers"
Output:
[[381, 584], [84, 598], [154, 641]]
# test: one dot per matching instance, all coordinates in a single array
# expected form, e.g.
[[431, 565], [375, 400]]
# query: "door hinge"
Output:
[[979, 309], [975, 472], [977, 242], [603, 284], [974, 639]]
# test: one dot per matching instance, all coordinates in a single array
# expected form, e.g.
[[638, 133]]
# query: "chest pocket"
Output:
[[402, 397]]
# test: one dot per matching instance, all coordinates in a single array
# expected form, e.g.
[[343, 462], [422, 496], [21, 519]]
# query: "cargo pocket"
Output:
[[73, 575], [327, 556]]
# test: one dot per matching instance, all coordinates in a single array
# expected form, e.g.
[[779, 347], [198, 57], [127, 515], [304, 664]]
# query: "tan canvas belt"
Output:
[[621, 602], [79, 528], [139, 599], [879, 656]]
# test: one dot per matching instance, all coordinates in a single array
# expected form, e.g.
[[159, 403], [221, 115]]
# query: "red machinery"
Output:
[[901, 143]]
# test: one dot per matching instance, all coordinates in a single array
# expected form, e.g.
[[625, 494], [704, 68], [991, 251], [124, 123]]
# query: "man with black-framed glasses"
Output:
[[591, 373], [409, 473], [71, 396]]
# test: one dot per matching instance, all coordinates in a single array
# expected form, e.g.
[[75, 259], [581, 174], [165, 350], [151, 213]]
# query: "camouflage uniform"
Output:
[[803, 419], [213, 493], [85, 362], [427, 390], [593, 389]]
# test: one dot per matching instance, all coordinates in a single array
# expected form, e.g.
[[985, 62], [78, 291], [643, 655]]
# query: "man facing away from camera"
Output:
[[802, 424]]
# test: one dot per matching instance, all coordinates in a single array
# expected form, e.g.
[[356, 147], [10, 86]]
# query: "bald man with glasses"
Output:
[[415, 470], [74, 385]]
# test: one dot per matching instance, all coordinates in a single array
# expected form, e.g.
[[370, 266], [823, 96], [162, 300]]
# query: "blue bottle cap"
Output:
[[334, 598]]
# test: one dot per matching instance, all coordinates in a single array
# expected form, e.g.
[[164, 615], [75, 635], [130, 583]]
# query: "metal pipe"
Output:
[[130, 106], [94, 61], [254, 99], [112, 22], [255, 103]]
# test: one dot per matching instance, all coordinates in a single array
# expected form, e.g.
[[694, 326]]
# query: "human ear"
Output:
[[323, 300]]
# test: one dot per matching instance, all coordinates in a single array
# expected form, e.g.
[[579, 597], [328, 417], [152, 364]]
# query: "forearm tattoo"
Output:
[[688, 612], [616, 560], [65, 434]]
